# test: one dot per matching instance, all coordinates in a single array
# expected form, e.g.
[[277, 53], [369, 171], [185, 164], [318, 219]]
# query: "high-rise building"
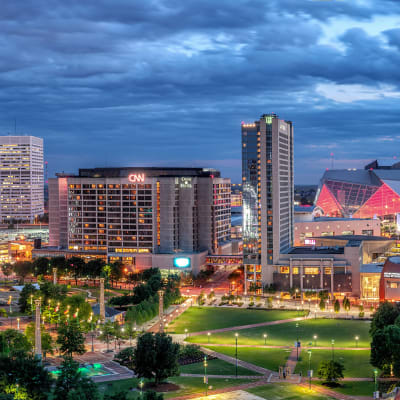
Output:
[[21, 178], [268, 190], [141, 216]]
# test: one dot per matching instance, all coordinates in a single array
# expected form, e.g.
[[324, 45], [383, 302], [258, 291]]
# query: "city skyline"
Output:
[[168, 83]]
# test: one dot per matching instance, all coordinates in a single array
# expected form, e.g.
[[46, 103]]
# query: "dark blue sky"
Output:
[[167, 82]]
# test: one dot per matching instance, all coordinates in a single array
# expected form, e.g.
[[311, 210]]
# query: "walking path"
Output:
[[292, 360], [277, 346], [241, 327]]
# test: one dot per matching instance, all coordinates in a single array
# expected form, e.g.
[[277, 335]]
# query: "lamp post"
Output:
[[205, 372], [297, 341], [236, 355], [375, 380], [91, 328], [315, 337], [309, 367], [265, 339], [356, 339], [141, 387], [186, 332], [333, 350], [18, 323], [208, 337]]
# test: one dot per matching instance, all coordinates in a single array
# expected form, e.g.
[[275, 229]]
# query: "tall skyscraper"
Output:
[[21, 178], [267, 177]]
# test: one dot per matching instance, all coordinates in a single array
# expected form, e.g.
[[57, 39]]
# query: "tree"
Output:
[[330, 372], [15, 343], [107, 333], [156, 357], [70, 338], [28, 373], [72, 384], [60, 263], [7, 269], [116, 272], [76, 267], [41, 266], [23, 269], [78, 302], [122, 395], [322, 304], [336, 306], [152, 395], [126, 357], [94, 267], [385, 315], [25, 298], [47, 341]]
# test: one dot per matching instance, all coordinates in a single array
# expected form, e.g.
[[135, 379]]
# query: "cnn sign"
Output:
[[136, 178]]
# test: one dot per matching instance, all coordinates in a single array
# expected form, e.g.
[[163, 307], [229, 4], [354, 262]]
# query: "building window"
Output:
[[285, 270], [348, 233], [392, 285], [368, 232], [311, 270], [328, 270], [327, 234], [295, 270]]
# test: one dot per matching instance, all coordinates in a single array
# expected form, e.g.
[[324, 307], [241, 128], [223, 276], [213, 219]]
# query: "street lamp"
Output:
[[141, 387], [265, 339], [186, 332], [236, 340], [309, 367], [18, 323], [205, 372], [315, 337], [356, 339], [297, 341], [208, 336], [333, 350], [375, 380]]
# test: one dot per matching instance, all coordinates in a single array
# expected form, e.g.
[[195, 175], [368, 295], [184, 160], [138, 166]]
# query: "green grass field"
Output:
[[342, 331], [197, 319], [355, 388], [356, 362], [285, 392], [266, 358], [215, 367], [187, 386]]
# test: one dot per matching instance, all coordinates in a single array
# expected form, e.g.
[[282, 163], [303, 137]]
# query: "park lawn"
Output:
[[187, 386], [215, 367], [285, 391], [356, 362], [354, 388], [342, 331], [270, 359], [197, 319]]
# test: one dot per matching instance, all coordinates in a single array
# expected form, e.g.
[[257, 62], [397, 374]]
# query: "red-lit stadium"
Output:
[[372, 192]]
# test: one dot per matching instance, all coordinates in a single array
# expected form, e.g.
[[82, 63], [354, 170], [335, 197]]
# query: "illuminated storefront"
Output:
[[389, 288]]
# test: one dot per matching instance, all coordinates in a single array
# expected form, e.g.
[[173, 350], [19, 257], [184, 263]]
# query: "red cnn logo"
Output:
[[136, 178]]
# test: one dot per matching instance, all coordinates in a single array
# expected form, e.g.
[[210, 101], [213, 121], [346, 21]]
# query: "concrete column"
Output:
[[38, 336], [321, 278], [102, 304], [331, 276], [55, 276], [161, 310], [290, 273], [245, 279]]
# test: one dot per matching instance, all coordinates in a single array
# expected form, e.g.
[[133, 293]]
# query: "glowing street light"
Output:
[[356, 339], [333, 349], [208, 336], [315, 337], [265, 339]]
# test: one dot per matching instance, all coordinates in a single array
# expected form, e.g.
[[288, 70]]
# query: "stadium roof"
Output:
[[360, 176]]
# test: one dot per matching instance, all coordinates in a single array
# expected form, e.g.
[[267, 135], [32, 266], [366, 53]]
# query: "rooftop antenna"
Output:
[[332, 160]]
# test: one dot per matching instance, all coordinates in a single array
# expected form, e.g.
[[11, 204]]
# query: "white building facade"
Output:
[[21, 178]]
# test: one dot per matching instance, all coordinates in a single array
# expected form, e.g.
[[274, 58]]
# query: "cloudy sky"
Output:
[[167, 82]]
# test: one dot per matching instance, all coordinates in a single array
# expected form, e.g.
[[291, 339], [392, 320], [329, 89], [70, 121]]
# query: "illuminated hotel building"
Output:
[[21, 178], [268, 190], [142, 216]]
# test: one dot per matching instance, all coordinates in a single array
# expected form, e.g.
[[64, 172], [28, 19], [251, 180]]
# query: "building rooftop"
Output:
[[359, 238], [110, 312], [373, 268], [317, 250], [118, 172]]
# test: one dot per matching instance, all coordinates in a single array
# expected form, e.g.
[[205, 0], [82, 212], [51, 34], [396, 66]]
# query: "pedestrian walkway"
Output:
[[274, 346], [292, 360], [224, 376], [241, 327]]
